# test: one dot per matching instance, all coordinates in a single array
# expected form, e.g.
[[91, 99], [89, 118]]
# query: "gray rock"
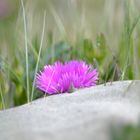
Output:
[[86, 114]]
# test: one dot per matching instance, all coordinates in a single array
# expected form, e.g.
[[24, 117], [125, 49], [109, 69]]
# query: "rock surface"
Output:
[[86, 114]]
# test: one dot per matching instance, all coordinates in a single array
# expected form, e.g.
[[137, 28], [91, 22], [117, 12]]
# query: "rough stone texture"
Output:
[[86, 114]]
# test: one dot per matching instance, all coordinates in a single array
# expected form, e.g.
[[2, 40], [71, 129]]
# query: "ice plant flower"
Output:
[[60, 78]]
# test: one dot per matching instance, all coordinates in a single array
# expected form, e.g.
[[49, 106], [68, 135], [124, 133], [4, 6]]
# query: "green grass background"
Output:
[[105, 33]]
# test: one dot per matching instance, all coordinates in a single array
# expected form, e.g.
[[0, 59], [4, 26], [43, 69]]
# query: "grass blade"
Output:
[[26, 51], [40, 48], [2, 98]]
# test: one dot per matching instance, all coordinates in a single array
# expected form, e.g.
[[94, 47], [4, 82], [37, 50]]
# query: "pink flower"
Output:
[[60, 78]]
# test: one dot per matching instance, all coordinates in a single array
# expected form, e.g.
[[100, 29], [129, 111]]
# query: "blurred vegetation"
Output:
[[127, 132], [104, 33]]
